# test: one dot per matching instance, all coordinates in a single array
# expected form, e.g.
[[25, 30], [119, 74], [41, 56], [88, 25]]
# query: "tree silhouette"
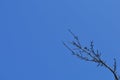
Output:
[[90, 54]]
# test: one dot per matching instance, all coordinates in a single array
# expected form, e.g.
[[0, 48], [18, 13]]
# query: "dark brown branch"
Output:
[[90, 54]]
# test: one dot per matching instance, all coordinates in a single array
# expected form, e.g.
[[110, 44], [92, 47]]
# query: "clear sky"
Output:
[[31, 32]]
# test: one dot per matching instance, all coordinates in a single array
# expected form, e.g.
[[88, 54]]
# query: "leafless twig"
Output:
[[90, 54]]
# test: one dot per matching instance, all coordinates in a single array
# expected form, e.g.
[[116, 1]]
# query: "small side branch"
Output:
[[90, 54]]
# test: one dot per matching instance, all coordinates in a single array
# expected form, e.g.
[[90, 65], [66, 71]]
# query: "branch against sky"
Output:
[[89, 54]]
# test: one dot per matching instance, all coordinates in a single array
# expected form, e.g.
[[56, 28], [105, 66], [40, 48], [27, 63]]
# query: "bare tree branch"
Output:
[[90, 54]]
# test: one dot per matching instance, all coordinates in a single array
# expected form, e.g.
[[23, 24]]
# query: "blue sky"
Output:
[[31, 32]]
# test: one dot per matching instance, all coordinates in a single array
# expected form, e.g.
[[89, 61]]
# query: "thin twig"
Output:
[[90, 54]]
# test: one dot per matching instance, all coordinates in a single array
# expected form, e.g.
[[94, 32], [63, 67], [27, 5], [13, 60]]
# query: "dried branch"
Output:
[[90, 54]]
